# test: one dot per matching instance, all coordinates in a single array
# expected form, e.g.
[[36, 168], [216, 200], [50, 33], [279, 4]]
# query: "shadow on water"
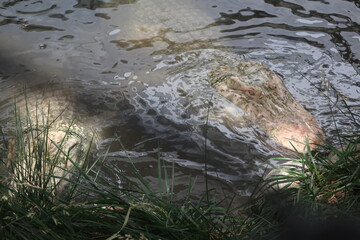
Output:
[[94, 4]]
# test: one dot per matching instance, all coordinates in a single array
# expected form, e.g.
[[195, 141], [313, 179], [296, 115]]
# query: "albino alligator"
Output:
[[251, 86], [49, 140], [46, 152], [267, 103]]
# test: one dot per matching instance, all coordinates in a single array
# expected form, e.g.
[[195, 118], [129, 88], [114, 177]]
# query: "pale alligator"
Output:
[[50, 142], [47, 157], [251, 86], [267, 103]]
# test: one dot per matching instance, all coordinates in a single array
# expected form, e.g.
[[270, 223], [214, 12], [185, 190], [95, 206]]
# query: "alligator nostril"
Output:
[[251, 92]]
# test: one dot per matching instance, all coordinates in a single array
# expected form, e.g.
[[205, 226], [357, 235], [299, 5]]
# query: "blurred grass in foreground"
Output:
[[41, 198]]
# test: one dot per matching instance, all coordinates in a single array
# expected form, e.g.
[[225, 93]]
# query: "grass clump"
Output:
[[51, 188], [319, 196]]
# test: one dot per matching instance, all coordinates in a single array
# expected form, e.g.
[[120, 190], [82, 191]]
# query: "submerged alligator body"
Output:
[[60, 151], [50, 140], [251, 86], [267, 103]]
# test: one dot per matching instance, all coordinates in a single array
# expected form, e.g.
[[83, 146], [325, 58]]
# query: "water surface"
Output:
[[138, 69]]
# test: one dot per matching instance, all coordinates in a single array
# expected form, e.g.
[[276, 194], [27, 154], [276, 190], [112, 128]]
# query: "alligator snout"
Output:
[[295, 136]]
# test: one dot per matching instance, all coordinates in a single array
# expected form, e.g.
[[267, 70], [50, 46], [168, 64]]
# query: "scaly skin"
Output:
[[267, 103]]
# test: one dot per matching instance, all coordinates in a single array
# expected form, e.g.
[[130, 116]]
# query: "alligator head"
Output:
[[267, 103]]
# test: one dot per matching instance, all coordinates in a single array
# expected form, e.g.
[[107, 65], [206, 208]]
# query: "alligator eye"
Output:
[[251, 92]]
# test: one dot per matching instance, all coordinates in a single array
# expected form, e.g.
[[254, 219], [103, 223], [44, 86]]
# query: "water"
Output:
[[138, 68]]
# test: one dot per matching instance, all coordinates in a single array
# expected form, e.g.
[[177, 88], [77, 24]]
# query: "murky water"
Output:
[[138, 68]]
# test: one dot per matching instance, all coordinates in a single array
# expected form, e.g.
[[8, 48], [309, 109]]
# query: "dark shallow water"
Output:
[[138, 68]]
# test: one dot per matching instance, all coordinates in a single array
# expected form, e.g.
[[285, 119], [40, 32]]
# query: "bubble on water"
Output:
[[127, 74], [42, 46], [160, 65], [135, 77], [114, 32], [117, 77]]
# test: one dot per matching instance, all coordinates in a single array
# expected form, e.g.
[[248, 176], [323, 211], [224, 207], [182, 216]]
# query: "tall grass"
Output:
[[54, 190], [319, 196], [44, 198]]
